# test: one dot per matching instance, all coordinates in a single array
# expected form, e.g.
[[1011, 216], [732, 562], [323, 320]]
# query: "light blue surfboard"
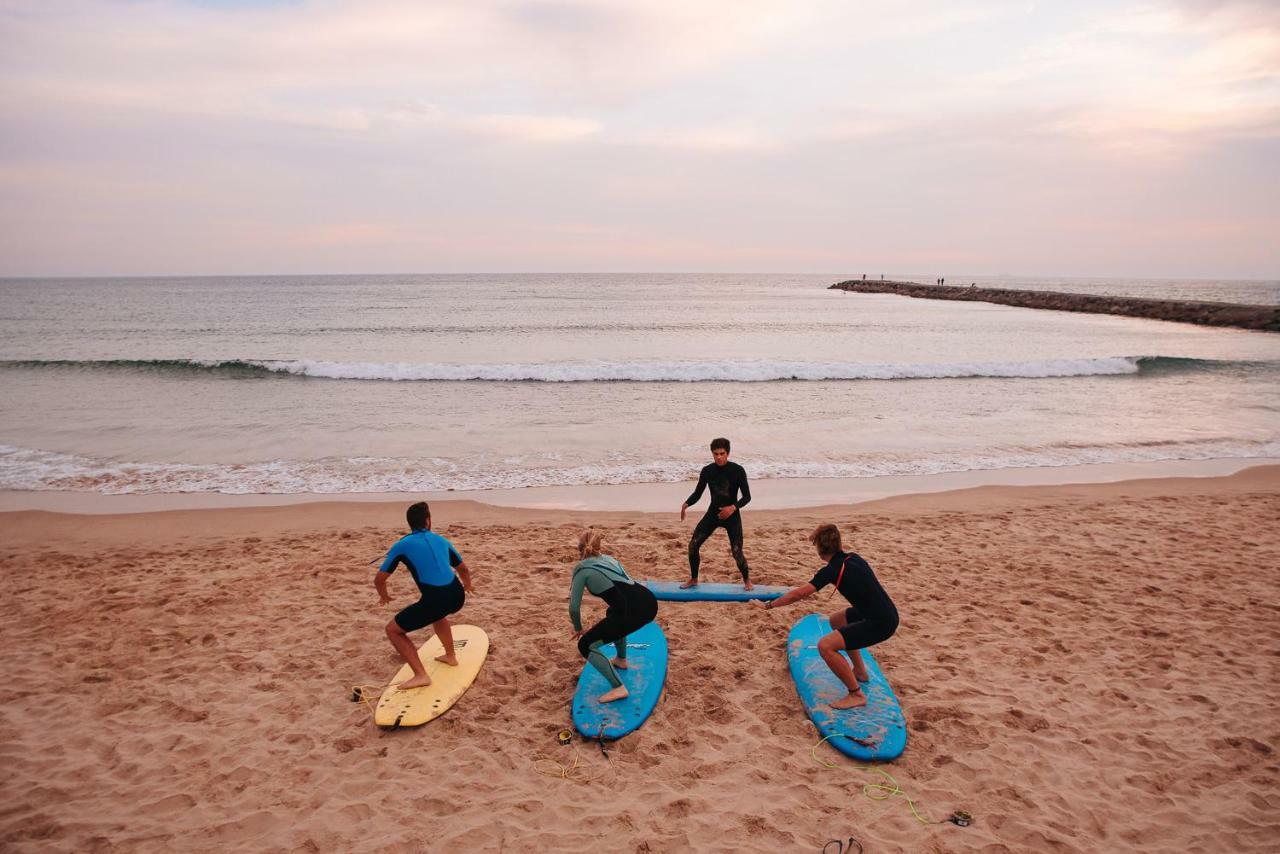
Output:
[[875, 732], [707, 592], [644, 677]]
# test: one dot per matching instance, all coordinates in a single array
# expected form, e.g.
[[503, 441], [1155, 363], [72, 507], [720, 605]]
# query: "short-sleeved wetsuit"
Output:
[[631, 606], [725, 483], [430, 559], [873, 617]]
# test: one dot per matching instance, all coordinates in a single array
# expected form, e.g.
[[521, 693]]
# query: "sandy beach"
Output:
[[1083, 668]]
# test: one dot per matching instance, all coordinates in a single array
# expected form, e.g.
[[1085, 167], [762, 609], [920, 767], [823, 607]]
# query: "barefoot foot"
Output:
[[619, 693], [692, 582], [414, 682], [747, 585], [451, 660], [619, 663], [851, 701]]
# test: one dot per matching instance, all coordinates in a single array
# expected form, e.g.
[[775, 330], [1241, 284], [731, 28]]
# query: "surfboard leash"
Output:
[[885, 791], [367, 694]]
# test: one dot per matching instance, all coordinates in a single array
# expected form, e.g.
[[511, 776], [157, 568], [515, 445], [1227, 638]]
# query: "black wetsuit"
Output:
[[725, 482], [873, 617]]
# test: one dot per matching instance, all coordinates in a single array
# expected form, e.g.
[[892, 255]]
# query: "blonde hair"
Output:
[[589, 543], [827, 539]]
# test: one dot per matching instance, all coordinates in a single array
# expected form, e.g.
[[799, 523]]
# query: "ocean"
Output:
[[424, 383]]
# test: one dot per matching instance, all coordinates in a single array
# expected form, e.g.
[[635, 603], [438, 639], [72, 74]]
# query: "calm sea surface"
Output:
[[423, 383]]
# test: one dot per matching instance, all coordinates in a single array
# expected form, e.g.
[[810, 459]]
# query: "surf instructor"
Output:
[[870, 619], [729, 494], [431, 560]]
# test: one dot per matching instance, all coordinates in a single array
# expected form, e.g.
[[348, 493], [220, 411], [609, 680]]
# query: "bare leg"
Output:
[[829, 648], [409, 653], [860, 671], [838, 621], [445, 632]]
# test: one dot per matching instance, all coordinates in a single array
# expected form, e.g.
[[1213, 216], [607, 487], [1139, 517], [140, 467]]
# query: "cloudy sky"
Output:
[[1086, 138]]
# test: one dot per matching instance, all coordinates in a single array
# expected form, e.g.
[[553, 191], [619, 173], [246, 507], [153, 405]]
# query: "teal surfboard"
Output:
[[705, 592], [644, 677], [875, 732]]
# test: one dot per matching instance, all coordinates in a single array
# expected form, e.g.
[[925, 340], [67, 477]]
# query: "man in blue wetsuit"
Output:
[[725, 480], [431, 560]]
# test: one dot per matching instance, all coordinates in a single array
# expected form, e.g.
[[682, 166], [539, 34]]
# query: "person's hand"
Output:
[[683, 508], [385, 599], [726, 512], [760, 604], [577, 634], [470, 588]]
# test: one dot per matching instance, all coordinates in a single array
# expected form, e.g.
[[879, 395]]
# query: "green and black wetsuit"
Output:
[[631, 606]]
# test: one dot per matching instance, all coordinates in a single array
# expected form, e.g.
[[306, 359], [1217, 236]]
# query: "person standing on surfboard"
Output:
[[431, 560], [871, 619], [631, 606], [726, 481]]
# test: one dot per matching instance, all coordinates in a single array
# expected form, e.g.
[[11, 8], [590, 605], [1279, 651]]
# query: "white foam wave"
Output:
[[34, 469], [744, 370]]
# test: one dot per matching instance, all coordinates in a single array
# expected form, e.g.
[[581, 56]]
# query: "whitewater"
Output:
[[328, 385]]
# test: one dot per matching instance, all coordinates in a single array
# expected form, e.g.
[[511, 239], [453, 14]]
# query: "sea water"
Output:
[[335, 384]]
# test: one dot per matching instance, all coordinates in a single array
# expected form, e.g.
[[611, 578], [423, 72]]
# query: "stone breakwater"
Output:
[[1258, 317]]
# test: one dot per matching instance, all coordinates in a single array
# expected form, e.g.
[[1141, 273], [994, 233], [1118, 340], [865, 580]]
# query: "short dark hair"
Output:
[[720, 443], [827, 539], [417, 515]]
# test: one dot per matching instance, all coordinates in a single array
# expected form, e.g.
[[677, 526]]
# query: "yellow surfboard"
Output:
[[416, 706]]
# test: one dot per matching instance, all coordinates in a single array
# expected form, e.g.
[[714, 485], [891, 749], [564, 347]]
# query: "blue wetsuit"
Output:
[[430, 559]]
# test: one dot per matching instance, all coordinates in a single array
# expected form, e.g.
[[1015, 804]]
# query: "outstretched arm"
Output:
[[792, 596]]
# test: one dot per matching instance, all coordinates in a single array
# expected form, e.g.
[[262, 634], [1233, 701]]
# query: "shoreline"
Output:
[[780, 494], [197, 668]]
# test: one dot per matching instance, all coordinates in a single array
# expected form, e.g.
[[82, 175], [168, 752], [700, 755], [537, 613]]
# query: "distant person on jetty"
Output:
[[431, 560], [630, 607], [726, 480], [870, 619]]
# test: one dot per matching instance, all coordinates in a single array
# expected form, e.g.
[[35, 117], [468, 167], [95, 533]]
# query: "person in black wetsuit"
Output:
[[726, 480], [872, 617]]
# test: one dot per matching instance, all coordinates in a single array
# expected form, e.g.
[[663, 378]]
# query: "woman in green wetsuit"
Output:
[[631, 606]]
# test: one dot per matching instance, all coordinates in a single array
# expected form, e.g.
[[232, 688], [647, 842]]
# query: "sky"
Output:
[[1092, 139]]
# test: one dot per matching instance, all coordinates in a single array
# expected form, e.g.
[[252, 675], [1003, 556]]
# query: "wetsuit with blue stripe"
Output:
[[631, 606], [430, 559]]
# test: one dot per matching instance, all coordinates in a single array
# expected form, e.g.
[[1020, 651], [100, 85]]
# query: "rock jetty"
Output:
[[1264, 318]]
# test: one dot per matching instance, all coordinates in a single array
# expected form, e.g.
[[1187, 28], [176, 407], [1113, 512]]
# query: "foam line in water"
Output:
[[741, 370]]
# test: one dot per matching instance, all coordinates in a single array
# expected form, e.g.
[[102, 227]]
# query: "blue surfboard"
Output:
[[644, 677], [874, 732], [705, 592]]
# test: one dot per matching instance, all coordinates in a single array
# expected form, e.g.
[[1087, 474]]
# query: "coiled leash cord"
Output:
[[889, 789]]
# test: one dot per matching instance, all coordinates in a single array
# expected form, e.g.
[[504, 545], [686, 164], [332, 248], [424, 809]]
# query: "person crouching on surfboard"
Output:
[[631, 606], [871, 619], [431, 560]]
